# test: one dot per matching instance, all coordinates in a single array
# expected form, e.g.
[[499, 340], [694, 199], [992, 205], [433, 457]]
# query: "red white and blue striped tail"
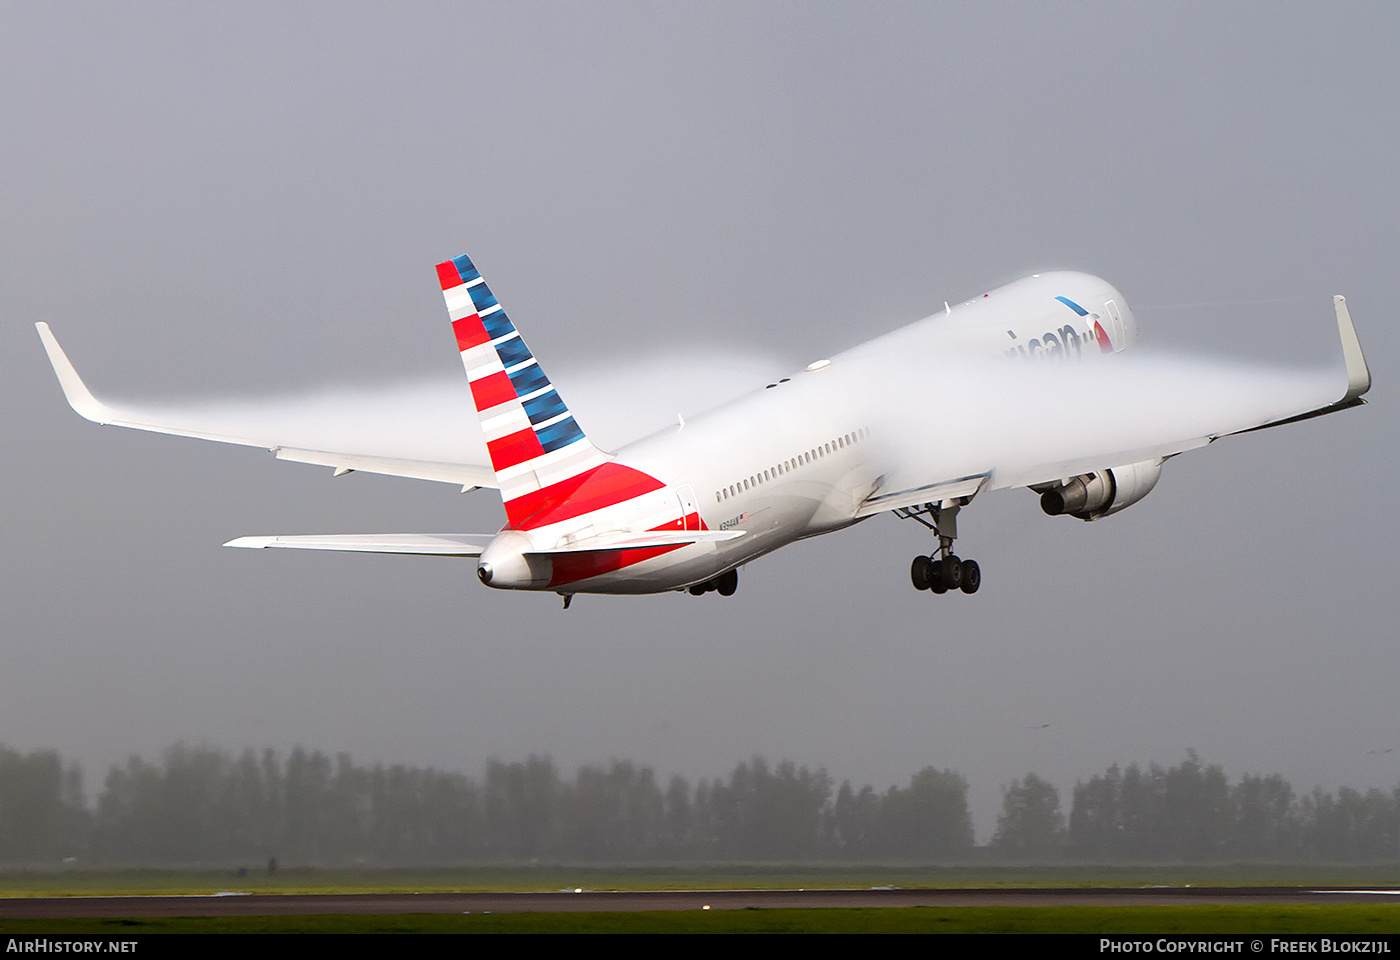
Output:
[[532, 438]]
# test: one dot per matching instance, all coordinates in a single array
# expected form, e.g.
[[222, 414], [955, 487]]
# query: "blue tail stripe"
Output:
[[559, 434], [497, 325], [528, 379], [465, 269], [512, 351], [544, 407], [482, 297]]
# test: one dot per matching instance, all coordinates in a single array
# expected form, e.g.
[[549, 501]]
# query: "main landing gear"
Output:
[[943, 571], [726, 583]]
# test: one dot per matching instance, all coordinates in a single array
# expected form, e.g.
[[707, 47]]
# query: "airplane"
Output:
[[1022, 386]]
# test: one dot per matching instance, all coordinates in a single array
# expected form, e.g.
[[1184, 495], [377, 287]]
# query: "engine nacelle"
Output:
[[1094, 495]]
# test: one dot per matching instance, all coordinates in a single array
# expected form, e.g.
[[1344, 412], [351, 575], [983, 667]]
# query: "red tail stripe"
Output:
[[492, 390], [448, 275], [513, 448], [521, 508], [469, 332], [609, 484], [594, 489]]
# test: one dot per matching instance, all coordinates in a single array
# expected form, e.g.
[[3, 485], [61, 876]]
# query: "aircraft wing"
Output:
[[89, 407], [1043, 425]]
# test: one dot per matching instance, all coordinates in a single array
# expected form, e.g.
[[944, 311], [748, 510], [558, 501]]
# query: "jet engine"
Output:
[[1090, 496]]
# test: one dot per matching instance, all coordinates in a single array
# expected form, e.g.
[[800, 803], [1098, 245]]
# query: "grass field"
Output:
[[720, 876], [1368, 920]]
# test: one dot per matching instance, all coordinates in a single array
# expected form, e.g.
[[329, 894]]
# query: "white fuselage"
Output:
[[798, 458]]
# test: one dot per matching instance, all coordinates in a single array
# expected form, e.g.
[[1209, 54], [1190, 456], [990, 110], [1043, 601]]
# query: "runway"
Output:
[[235, 904]]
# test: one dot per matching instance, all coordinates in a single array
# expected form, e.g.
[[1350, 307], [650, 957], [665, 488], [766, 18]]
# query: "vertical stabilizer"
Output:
[[537, 449]]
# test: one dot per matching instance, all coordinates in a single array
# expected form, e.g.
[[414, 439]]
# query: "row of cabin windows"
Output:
[[788, 466]]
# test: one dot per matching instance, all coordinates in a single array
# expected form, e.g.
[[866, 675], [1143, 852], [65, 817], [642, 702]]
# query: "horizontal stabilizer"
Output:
[[471, 545], [643, 541], [420, 544]]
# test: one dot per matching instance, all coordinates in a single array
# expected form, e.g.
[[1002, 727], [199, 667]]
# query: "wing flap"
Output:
[[929, 493], [466, 474]]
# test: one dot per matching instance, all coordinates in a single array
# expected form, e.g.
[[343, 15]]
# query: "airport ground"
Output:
[[1144, 899]]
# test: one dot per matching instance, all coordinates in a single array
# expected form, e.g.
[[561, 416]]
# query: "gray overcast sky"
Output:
[[247, 200]]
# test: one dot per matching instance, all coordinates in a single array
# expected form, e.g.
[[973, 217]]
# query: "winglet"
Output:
[[1358, 374], [79, 397]]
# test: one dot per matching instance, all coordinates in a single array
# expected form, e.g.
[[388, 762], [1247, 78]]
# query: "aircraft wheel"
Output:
[[921, 572], [952, 571], [935, 577], [971, 576], [697, 590], [727, 583]]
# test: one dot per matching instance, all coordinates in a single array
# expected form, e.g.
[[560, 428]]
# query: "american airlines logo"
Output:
[[1053, 345], [1057, 344]]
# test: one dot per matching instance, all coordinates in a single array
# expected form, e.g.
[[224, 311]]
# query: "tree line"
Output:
[[211, 806], [1192, 812], [205, 805]]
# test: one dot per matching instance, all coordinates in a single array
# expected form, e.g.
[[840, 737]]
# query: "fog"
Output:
[[433, 418], [246, 202], [1016, 418]]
